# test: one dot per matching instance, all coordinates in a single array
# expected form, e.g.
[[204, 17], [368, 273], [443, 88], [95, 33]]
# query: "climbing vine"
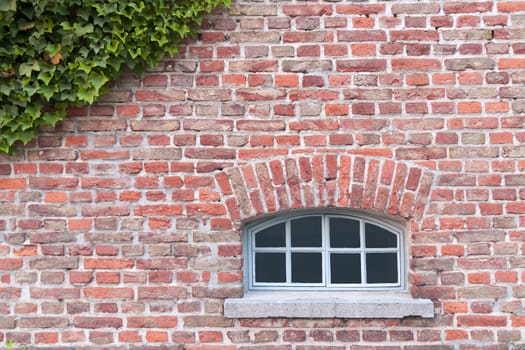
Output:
[[55, 54]]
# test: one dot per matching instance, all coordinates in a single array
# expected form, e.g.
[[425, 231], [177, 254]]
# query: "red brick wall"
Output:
[[121, 227]]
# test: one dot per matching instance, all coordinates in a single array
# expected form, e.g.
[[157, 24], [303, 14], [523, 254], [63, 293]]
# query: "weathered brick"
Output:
[[97, 322], [260, 95], [152, 322], [461, 64], [467, 7], [468, 34], [306, 66], [43, 322], [45, 263], [307, 10], [361, 65], [361, 35], [154, 125], [255, 37], [415, 8], [164, 153]]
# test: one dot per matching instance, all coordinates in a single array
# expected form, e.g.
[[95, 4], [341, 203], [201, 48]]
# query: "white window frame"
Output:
[[325, 250], [299, 301]]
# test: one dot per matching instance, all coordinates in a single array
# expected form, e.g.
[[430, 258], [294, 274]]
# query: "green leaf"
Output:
[[98, 80], [86, 95], [80, 31], [7, 5], [46, 76], [25, 69], [48, 91]]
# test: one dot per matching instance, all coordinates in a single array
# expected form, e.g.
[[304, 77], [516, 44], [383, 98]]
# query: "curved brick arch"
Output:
[[328, 180]]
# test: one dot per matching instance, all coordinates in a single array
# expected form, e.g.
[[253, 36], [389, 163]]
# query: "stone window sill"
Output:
[[327, 305]]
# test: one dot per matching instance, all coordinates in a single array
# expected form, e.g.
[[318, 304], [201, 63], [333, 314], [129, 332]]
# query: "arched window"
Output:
[[324, 250], [325, 263]]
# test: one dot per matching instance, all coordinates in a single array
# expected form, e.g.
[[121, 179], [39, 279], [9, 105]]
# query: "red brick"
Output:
[[510, 6], [483, 321], [152, 322], [467, 7], [307, 10], [97, 322]]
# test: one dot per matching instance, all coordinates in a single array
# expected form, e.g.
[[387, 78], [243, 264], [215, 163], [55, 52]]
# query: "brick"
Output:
[[307, 10], [361, 35], [164, 153], [514, 33], [415, 8], [253, 10], [152, 322], [468, 34], [108, 293], [306, 66], [154, 125], [361, 65], [461, 64], [467, 7], [97, 322], [255, 37], [482, 321], [414, 35], [421, 153], [415, 64], [368, 94], [12, 184], [55, 293], [361, 9], [43, 322], [43, 263], [207, 321]]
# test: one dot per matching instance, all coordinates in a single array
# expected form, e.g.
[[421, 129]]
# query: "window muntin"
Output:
[[325, 251]]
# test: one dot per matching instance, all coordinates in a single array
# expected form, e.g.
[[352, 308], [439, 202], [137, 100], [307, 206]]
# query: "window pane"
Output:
[[306, 232], [344, 233], [345, 268], [273, 236], [381, 268], [270, 267], [307, 268], [378, 237]]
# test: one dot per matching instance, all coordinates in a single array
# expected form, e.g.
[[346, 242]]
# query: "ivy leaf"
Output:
[[80, 31], [86, 95], [48, 91], [26, 69], [85, 66], [98, 80], [45, 76], [52, 118], [7, 5], [5, 89]]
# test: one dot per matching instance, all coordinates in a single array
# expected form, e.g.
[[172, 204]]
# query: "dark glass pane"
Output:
[[345, 268], [273, 236], [306, 232], [378, 237], [270, 267], [307, 268], [381, 268], [344, 233]]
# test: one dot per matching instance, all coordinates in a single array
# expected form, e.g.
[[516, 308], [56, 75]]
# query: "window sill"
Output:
[[327, 305]]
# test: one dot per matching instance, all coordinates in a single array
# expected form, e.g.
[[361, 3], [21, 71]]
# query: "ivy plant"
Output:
[[55, 54]]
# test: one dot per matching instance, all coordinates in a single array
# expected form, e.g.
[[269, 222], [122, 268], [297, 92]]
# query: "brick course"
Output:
[[121, 227]]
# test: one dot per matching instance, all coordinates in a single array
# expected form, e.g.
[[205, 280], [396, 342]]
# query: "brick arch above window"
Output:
[[326, 180]]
